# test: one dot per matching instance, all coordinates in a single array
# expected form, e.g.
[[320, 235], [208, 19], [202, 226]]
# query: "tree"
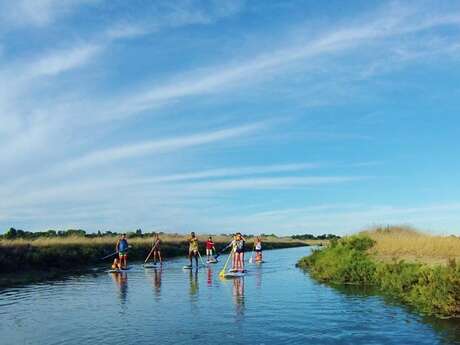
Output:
[[11, 233]]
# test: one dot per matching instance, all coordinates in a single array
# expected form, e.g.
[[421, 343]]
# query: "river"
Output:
[[275, 303]]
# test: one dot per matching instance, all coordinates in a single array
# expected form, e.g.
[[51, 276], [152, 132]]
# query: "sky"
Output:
[[281, 117]]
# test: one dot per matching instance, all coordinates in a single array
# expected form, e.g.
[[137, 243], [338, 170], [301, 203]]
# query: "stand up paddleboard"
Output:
[[259, 262], [119, 270], [235, 271], [151, 265], [234, 275], [212, 261], [188, 267]]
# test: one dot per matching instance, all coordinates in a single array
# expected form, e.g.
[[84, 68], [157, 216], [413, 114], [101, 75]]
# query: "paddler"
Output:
[[193, 249], [122, 249]]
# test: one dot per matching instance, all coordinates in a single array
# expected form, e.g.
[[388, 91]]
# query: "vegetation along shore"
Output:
[[26, 251], [421, 270]]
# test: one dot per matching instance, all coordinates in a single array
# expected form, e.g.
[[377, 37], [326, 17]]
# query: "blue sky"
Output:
[[216, 116]]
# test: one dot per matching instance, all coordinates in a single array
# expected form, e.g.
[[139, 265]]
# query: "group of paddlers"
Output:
[[237, 245]]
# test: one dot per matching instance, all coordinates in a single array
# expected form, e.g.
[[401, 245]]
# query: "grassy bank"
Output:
[[429, 282], [72, 252]]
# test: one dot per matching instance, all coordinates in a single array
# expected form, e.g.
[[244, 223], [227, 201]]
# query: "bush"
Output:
[[430, 290]]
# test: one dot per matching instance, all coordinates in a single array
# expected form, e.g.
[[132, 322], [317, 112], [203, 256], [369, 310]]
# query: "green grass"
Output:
[[429, 289]]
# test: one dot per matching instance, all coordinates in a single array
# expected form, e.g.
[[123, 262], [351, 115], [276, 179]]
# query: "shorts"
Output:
[[122, 254], [258, 250], [193, 252], [239, 251], [208, 251]]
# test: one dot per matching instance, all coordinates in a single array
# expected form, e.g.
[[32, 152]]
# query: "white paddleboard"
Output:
[[212, 261], [118, 270], [187, 267], [151, 265], [234, 275]]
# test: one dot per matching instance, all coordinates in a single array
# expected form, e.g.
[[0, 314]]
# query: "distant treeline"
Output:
[[313, 237], [13, 233]]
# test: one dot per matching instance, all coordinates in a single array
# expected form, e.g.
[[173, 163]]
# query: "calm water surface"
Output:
[[275, 303]]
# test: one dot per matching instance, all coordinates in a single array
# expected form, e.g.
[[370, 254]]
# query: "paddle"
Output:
[[202, 262], [108, 256], [151, 251], [222, 272], [114, 253], [223, 250], [252, 254]]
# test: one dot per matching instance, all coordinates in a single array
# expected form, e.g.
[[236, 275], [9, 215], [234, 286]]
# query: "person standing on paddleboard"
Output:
[[258, 249], [157, 250], [239, 252], [122, 249], [193, 249], [209, 248]]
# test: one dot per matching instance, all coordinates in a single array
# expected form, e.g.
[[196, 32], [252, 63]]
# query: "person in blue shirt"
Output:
[[122, 249]]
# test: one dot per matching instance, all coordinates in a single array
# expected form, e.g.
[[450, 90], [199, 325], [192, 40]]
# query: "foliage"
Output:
[[432, 290], [68, 252], [313, 237]]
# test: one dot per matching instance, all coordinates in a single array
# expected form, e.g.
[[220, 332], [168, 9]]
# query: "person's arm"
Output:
[[116, 246]]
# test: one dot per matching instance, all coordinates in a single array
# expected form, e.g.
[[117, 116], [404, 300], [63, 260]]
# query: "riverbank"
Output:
[[45, 254], [429, 281]]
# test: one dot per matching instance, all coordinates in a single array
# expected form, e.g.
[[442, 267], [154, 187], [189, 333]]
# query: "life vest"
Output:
[[122, 245]]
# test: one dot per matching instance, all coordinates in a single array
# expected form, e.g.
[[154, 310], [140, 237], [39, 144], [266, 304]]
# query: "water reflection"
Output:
[[209, 276], [121, 282], [193, 275], [448, 329], [258, 277], [238, 296], [156, 280]]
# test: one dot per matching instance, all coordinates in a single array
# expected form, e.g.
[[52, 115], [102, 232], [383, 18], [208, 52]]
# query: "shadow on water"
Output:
[[448, 329]]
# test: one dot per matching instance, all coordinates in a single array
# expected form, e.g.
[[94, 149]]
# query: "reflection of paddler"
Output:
[[238, 294], [121, 280], [193, 283], [209, 276], [157, 280]]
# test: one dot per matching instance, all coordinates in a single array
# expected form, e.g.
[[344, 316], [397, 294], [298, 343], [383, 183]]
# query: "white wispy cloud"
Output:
[[20, 13], [387, 24], [342, 218], [105, 156], [272, 182], [229, 172], [42, 131]]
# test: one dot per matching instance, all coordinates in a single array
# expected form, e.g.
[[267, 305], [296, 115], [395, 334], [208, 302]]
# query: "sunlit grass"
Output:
[[402, 242], [141, 241]]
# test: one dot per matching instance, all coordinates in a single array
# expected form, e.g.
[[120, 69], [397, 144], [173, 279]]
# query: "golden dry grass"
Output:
[[402, 242], [167, 238]]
